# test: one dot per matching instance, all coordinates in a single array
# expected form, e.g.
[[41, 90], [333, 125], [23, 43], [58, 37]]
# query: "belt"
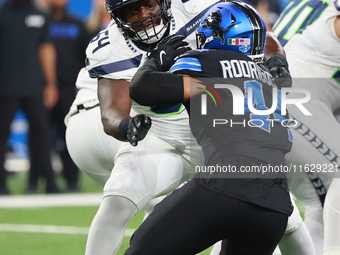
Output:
[[82, 107]]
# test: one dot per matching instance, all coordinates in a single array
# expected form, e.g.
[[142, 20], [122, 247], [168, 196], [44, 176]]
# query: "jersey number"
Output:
[[297, 16], [337, 5], [102, 38]]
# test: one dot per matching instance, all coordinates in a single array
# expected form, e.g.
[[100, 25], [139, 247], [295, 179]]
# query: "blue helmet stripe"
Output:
[[257, 25]]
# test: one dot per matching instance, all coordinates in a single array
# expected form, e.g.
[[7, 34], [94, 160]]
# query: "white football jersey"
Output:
[[113, 56], [319, 46], [87, 88]]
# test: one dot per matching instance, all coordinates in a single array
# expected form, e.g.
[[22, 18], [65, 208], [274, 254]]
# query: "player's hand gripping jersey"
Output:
[[113, 56]]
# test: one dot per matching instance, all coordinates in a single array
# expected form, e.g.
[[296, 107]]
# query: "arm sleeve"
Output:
[[150, 87]]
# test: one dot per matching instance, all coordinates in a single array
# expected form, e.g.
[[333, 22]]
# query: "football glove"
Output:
[[167, 50], [278, 67], [137, 128]]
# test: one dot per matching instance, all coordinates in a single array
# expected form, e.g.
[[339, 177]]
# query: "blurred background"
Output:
[[81, 8], [21, 174]]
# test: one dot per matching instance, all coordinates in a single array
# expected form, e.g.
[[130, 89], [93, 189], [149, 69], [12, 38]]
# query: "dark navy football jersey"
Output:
[[220, 131], [231, 134]]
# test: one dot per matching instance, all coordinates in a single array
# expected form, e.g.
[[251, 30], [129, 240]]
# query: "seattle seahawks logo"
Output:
[[213, 21]]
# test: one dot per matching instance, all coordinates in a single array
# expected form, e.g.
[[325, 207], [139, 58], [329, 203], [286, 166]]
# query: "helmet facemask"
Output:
[[148, 30]]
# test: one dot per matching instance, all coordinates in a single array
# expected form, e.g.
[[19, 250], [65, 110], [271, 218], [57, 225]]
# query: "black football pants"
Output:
[[193, 218]]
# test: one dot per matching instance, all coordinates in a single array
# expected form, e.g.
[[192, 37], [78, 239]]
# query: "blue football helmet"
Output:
[[234, 26], [137, 30]]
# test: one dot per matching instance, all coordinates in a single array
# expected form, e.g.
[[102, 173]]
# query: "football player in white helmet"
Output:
[[310, 31]]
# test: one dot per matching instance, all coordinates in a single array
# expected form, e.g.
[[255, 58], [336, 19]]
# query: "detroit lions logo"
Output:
[[213, 21]]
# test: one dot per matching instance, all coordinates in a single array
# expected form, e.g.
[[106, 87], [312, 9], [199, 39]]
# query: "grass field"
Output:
[[17, 184], [53, 230], [50, 230], [34, 231]]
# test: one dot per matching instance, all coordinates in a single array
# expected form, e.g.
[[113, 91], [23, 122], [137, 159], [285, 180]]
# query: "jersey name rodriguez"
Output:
[[244, 69]]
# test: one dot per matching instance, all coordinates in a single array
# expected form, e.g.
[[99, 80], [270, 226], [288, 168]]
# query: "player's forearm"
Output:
[[275, 59], [337, 26], [272, 47], [115, 105], [150, 87], [111, 119]]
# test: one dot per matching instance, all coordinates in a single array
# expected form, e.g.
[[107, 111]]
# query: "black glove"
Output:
[[135, 129], [167, 50], [278, 67]]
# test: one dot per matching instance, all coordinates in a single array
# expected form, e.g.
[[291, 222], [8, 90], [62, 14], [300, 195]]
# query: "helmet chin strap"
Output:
[[156, 32]]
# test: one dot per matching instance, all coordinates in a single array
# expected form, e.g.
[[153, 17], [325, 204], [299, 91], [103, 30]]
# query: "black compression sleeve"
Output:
[[150, 87]]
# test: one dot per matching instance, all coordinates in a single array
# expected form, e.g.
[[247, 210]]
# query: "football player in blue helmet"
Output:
[[234, 26], [249, 211], [237, 26], [150, 28]]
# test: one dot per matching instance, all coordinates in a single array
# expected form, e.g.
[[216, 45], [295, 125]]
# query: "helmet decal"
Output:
[[213, 21], [234, 26]]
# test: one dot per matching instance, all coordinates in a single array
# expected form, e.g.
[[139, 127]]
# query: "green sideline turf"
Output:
[[15, 243], [17, 183]]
